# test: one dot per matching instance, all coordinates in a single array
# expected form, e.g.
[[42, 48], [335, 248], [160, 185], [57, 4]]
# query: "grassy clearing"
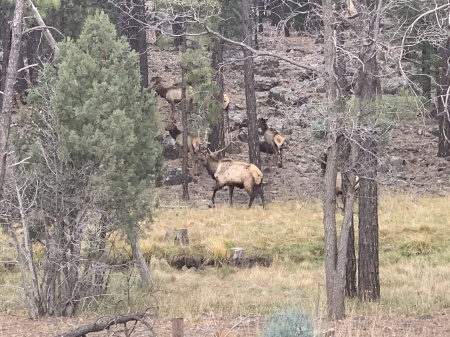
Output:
[[414, 255]]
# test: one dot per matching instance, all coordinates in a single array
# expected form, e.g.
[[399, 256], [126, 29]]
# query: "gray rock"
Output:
[[243, 135], [397, 164], [265, 83], [285, 95], [394, 85], [172, 176], [434, 131], [304, 74], [170, 150]]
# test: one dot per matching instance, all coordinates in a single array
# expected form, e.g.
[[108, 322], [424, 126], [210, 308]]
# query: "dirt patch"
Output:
[[251, 326]]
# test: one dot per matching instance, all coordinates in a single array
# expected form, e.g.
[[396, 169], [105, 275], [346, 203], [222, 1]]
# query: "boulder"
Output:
[[172, 176], [265, 83]]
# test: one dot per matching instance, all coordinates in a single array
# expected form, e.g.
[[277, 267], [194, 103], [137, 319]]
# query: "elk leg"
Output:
[[252, 195], [231, 189], [216, 187], [196, 168], [261, 193]]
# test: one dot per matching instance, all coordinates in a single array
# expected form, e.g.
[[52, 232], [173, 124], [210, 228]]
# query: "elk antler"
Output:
[[217, 151]]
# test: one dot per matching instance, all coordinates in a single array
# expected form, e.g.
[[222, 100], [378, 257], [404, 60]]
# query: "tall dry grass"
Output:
[[414, 255], [414, 261]]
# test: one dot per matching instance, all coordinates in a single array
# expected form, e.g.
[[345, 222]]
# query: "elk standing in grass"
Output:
[[227, 172], [273, 142], [194, 144]]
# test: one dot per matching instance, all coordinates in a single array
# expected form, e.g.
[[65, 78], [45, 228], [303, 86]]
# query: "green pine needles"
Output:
[[106, 122]]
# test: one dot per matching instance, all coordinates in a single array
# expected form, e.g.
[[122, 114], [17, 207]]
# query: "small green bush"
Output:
[[317, 129], [289, 323]]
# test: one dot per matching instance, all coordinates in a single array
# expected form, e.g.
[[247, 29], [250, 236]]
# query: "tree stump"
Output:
[[181, 237], [238, 255]]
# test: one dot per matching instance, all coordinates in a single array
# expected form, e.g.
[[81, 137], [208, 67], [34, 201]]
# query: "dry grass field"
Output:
[[414, 266]]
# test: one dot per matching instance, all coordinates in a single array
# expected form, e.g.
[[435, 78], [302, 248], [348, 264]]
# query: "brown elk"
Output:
[[227, 172], [194, 144], [173, 94], [339, 186], [273, 142]]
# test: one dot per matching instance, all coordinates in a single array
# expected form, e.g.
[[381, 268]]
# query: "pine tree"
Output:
[[92, 160], [106, 121]]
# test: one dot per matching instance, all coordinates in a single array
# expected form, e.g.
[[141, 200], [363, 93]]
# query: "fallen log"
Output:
[[104, 324]]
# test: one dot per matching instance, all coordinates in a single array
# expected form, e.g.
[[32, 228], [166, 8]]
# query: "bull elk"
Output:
[[227, 172]]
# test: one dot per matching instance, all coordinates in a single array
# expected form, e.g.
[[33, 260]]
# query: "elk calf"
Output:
[[193, 144], [273, 142], [227, 172]]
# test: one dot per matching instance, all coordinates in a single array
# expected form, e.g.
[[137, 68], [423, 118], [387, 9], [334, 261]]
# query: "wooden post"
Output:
[[177, 327]]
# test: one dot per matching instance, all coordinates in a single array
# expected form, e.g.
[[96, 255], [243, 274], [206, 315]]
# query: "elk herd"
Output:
[[228, 172]]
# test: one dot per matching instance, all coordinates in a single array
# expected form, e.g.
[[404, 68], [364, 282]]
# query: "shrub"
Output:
[[289, 323]]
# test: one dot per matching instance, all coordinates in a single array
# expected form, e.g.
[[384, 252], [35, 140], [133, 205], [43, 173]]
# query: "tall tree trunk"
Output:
[[217, 137], [365, 92], [425, 80], [350, 278], [275, 12], [345, 166], [184, 169], [8, 96], [132, 26], [443, 103], [334, 259], [177, 30], [249, 79], [329, 222], [5, 36], [48, 36], [335, 254], [260, 8], [368, 265]]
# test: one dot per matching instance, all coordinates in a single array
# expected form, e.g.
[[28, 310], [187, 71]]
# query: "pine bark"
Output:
[[249, 79], [184, 168], [217, 137], [443, 103], [367, 87], [8, 96]]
